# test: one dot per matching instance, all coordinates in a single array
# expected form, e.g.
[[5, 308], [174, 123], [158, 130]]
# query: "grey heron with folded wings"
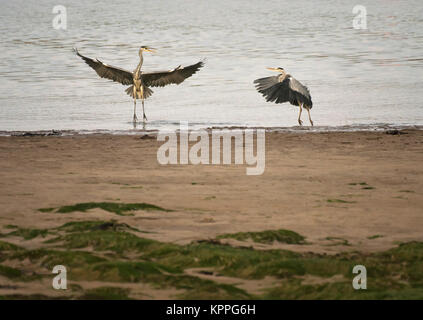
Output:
[[139, 82], [285, 88]]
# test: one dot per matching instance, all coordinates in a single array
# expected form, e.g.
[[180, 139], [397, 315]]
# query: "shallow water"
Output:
[[356, 77]]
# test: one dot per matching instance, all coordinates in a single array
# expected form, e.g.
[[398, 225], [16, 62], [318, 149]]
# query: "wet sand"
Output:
[[343, 191], [311, 184]]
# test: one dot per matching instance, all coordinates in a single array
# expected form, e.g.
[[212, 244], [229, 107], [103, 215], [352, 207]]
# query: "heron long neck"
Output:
[[282, 76], [138, 69]]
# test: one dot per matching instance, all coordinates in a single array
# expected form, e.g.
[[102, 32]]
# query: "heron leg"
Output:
[[299, 115], [135, 110], [309, 117], [135, 103], [144, 117]]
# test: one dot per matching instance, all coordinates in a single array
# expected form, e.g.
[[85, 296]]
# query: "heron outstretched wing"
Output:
[[272, 89], [287, 90], [163, 78], [109, 72]]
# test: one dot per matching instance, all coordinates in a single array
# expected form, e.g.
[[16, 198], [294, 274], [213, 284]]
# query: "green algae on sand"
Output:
[[114, 207]]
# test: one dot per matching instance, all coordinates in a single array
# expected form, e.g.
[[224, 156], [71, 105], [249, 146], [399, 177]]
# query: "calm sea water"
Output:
[[356, 77]]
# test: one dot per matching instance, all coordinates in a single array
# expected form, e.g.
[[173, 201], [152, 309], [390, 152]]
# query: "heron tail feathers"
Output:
[[146, 91]]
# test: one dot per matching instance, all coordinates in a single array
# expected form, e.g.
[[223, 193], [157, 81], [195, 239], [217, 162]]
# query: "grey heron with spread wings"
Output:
[[139, 82], [284, 88]]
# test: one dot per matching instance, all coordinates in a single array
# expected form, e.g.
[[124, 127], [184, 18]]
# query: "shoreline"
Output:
[[293, 129]]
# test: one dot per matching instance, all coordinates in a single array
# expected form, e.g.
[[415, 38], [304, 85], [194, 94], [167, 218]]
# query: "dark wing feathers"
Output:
[[288, 90], [108, 72], [272, 89], [163, 78]]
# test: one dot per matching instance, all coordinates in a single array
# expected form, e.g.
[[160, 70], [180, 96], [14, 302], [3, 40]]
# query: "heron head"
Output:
[[146, 49], [278, 69]]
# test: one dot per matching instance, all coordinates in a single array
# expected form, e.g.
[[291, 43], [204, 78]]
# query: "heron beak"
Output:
[[273, 69], [152, 50]]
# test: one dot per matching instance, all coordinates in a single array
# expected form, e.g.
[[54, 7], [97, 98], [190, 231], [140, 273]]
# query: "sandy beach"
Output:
[[342, 191]]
